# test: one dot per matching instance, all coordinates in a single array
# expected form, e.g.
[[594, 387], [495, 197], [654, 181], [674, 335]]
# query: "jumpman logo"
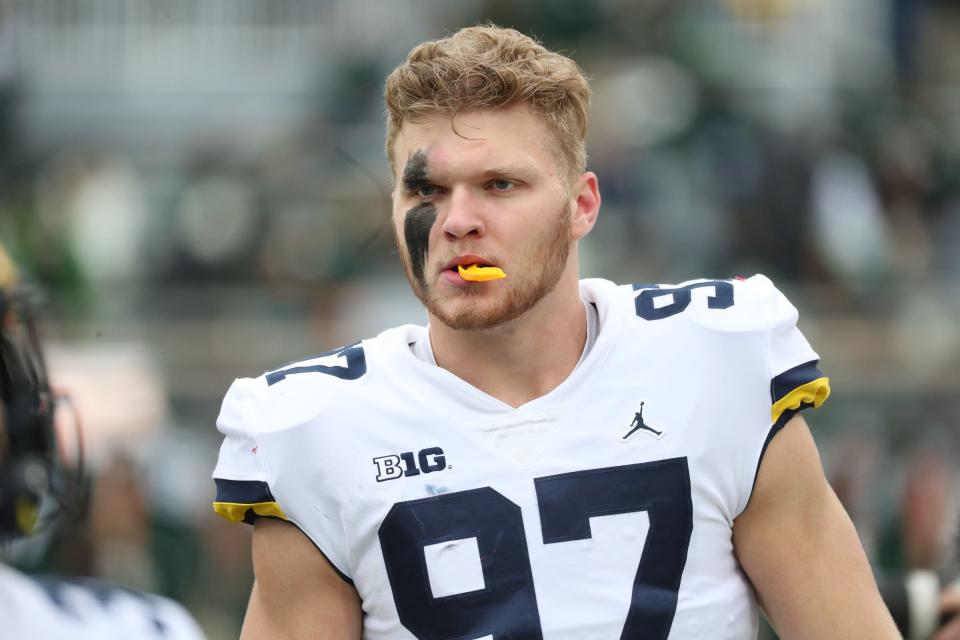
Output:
[[638, 425]]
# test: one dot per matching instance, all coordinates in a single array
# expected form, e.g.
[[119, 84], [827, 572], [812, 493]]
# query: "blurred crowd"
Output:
[[199, 192]]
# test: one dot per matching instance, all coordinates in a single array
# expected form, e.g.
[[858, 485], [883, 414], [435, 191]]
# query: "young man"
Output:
[[49, 608], [550, 458]]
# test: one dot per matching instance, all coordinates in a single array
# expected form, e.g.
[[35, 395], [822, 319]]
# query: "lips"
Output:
[[466, 261]]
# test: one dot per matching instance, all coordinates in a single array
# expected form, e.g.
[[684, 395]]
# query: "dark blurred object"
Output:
[[36, 490], [918, 602], [919, 550], [950, 613], [924, 528]]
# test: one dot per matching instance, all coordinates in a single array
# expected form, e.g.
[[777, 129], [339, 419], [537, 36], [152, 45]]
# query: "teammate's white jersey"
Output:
[[57, 609], [601, 510]]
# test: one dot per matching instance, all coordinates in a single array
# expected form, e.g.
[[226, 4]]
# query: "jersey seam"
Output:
[[772, 429], [268, 474]]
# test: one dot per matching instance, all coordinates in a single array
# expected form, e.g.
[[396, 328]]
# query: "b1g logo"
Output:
[[390, 467]]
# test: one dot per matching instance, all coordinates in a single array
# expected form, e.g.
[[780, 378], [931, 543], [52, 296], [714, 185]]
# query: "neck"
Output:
[[523, 359]]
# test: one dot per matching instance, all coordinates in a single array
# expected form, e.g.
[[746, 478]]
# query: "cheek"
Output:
[[417, 225], [397, 223]]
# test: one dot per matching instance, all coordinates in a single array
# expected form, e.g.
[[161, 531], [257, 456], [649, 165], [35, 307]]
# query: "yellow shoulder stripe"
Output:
[[235, 511], [814, 392]]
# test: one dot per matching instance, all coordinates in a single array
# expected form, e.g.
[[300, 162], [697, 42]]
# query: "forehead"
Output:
[[471, 141]]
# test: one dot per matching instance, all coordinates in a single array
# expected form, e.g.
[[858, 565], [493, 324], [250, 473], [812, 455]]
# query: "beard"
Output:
[[473, 308]]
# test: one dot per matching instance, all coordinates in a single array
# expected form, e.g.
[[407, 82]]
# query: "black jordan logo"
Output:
[[638, 425]]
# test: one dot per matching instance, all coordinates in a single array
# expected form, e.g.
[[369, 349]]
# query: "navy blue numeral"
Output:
[[506, 607], [58, 593], [356, 366], [722, 298], [662, 489]]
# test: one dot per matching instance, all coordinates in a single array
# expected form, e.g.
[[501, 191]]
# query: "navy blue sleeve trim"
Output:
[[774, 430], [256, 491], [790, 379], [243, 491]]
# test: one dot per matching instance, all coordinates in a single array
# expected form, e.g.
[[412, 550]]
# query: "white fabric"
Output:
[[454, 567], [54, 609], [593, 326], [423, 349], [701, 379], [923, 598]]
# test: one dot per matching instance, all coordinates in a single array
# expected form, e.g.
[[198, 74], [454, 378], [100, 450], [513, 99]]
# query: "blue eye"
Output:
[[502, 185], [426, 190]]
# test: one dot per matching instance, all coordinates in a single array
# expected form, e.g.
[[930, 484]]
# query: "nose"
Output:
[[463, 217]]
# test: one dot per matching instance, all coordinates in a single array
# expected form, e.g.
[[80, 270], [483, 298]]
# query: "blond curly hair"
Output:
[[489, 67]]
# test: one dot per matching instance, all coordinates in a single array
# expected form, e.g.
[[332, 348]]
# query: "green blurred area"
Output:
[[198, 192]]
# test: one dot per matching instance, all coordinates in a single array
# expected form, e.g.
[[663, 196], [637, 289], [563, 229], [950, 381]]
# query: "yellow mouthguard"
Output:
[[476, 273]]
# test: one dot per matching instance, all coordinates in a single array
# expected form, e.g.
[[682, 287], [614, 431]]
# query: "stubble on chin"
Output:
[[469, 309]]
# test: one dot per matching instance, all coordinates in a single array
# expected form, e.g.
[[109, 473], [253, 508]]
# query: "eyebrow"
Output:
[[415, 171], [416, 174], [507, 171]]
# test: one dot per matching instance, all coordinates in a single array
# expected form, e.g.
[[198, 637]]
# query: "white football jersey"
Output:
[[34, 608], [601, 510]]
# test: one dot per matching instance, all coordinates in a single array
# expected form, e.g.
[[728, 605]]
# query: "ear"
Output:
[[586, 199]]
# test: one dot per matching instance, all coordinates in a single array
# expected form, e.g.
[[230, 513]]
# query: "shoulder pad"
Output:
[[241, 406], [290, 395], [752, 304]]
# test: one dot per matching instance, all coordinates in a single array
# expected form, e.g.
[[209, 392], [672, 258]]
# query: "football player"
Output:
[[550, 457], [33, 608]]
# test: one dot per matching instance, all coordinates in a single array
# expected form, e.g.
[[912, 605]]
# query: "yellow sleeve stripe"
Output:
[[237, 512], [813, 393]]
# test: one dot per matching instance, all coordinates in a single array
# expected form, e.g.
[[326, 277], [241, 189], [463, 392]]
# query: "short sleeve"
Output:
[[270, 463], [778, 375], [243, 492], [796, 382]]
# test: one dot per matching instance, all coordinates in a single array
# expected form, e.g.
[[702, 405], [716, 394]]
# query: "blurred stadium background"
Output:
[[199, 191]]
